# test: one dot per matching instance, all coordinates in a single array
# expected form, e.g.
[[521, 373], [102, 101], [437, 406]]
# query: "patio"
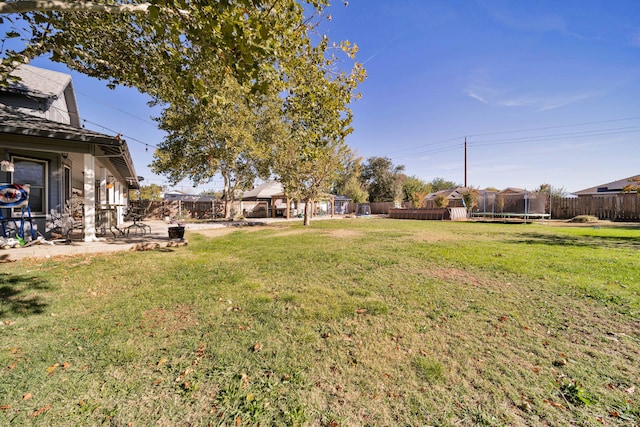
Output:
[[159, 235]]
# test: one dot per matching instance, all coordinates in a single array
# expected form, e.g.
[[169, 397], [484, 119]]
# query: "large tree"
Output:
[[438, 184], [160, 47], [224, 135], [414, 190], [383, 179], [309, 159]]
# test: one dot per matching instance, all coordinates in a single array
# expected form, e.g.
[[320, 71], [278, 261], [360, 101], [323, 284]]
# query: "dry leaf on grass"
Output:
[[554, 404], [40, 411], [27, 396], [51, 369]]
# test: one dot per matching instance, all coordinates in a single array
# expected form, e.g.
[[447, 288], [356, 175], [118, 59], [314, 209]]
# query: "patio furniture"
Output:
[[138, 227], [16, 196]]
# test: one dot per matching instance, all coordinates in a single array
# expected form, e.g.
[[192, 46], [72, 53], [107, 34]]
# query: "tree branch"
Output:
[[66, 6]]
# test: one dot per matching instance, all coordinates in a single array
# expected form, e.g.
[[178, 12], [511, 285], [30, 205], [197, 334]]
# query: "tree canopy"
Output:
[[164, 46], [414, 190], [317, 120], [382, 179]]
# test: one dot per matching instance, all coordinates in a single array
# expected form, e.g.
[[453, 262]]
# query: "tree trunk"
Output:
[[227, 205], [307, 217]]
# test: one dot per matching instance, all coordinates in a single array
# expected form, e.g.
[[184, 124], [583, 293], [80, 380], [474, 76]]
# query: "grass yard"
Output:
[[346, 323]]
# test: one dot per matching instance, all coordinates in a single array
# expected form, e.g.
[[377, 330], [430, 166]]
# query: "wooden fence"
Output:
[[614, 207], [177, 209]]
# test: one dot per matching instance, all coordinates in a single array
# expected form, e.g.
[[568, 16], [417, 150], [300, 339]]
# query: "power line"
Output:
[[147, 145], [519, 140]]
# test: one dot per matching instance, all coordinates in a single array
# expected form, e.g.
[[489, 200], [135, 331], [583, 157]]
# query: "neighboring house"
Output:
[[65, 165], [265, 200], [615, 187], [453, 195], [269, 200]]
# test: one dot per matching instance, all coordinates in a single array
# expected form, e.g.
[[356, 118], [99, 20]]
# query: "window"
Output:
[[34, 173]]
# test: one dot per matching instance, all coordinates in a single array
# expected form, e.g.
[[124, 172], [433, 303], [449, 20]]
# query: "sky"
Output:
[[543, 92]]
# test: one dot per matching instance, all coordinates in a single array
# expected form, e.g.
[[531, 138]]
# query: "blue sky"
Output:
[[543, 91]]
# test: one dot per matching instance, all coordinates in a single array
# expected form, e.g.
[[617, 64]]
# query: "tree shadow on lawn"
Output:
[[621, 242], [16, 295]]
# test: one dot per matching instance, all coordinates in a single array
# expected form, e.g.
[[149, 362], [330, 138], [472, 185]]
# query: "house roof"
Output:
[[450, 193], [512, 190], [14, 122], [264, 191], [610, 187], [41, 83]]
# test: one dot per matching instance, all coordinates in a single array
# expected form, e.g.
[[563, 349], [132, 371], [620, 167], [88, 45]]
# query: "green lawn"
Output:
[[345, 323]]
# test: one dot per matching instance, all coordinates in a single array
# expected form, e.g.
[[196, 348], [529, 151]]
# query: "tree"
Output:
[[348, 183], [470, 199], [226, 135], [438, 184], [634, 185], [151, 192], [414, 190], [161, 47], [382, 179], [312, 154], [441, 201]]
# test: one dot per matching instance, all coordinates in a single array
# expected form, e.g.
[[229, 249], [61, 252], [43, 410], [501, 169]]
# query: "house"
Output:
[[264, 201], [453, 197], [71, 171], [615, 187], [269, 200]]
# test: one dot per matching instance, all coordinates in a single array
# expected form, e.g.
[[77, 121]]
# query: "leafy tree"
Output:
[[634, 185], [414, 190], [441, 201], [161, 47], [382, 179], [348, 183], [225, 136], [438, 184], [312, 155], [151, 192], [470, 198], [553, 192]]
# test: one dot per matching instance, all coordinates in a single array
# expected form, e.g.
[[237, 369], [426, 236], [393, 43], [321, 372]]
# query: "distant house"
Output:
[[269, 200], [511, 191], [43, 142], [452, 195], [615, 187], [265, 200]]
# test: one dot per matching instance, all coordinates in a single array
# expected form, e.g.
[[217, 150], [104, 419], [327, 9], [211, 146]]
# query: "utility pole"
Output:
[[465, 162]]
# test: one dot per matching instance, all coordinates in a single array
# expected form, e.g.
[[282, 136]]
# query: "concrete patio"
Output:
[[159, 235]]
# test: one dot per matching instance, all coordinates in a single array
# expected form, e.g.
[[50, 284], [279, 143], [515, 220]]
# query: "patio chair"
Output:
[[138, 227]]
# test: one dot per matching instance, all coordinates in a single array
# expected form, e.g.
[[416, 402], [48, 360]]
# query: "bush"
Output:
[[584, 218]]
